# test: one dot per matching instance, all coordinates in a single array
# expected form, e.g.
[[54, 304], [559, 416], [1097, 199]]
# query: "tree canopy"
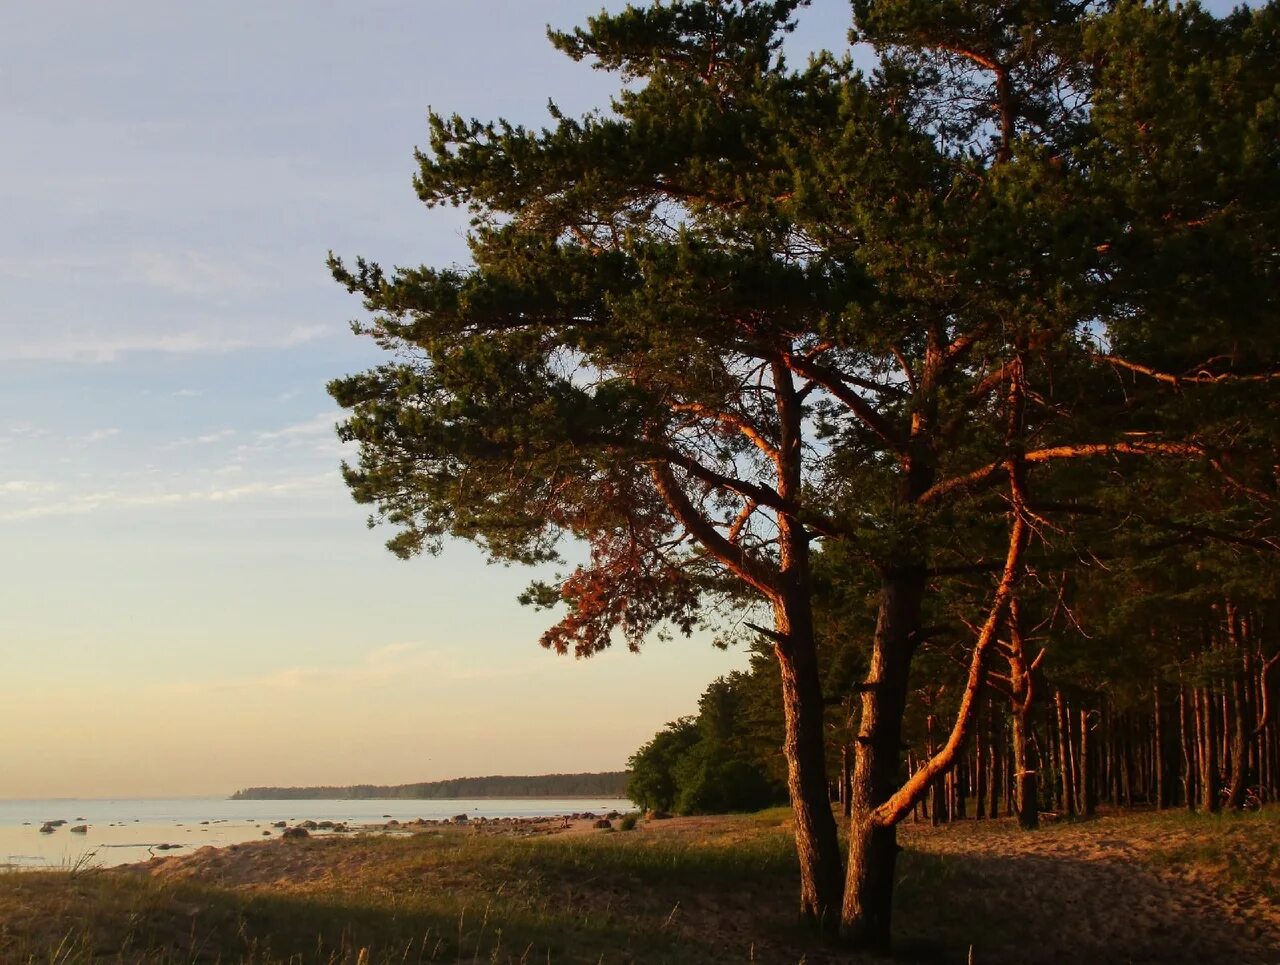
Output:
[[948, 320]]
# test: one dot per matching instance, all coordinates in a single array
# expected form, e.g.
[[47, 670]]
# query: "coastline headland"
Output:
[[611, 784]]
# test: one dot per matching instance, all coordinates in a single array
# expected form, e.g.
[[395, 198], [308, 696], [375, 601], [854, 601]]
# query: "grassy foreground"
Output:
[[1167, 888]]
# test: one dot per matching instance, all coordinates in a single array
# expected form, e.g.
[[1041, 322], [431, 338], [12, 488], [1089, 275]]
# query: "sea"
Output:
[[126, 831]]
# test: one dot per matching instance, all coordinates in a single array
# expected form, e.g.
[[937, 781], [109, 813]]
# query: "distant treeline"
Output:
[[607, 784]]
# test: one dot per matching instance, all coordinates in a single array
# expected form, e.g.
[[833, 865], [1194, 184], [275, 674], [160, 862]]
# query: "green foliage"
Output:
[[652, 782]]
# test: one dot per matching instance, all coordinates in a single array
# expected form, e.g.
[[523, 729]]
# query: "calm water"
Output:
[[125, 831]]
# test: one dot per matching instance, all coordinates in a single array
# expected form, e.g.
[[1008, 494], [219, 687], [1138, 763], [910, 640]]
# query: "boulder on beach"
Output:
[[47, 828], [604, 824], [281, 824], [295, 834], [80, 829]]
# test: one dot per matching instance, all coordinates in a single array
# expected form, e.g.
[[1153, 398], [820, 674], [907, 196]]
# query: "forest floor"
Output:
[[1135, 887]]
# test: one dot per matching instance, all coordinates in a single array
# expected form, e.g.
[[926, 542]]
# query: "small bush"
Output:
[[628, 822]]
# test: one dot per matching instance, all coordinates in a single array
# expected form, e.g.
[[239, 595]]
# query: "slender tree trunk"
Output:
[[1064, 752], [1088, 793], [997, 764], [980, 773], [1186, 720], [1239, 759], [873, 848], [1206, 714], [1158, 753], [937, 791], [1239, 725], [846, 799]]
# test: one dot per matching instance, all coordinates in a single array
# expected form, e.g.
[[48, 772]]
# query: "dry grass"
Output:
[[1168, 888]]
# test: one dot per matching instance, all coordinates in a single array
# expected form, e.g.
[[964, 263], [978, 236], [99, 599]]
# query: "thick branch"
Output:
[[741, 563], [837, 384], [734, 422], [1195, 378], [993, 472]]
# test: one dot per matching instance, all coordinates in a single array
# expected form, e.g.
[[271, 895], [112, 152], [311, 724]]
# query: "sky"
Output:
[[190, 602]]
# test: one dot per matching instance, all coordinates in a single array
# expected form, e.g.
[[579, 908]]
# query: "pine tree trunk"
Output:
[[1088, 793], [993, 742], [937, 790], [1239, 759], [817, 840], [1186, 721], [846, 797], [873, 847], [803, 703], [1023, 776], [1064, 752], [980, 772], [1157, 751], [1239, 724], [1206, 714]]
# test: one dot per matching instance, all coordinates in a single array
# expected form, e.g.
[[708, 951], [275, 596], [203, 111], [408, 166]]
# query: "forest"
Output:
[[948, 385], [604, 784]]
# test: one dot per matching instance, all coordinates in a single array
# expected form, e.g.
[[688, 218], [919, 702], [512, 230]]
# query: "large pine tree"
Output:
[[751, 307]]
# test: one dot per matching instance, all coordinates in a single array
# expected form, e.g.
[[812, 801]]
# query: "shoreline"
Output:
[[122, 833]]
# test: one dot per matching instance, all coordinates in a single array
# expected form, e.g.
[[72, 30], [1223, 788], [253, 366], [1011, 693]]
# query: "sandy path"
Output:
[[1093, 892]]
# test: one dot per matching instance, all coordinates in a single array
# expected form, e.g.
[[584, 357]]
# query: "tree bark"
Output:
[[817, 839], [1186, 721], [846, 801], [980, 773], [1088, 792], [1206, 713], [1064, 753], [873, 847], [1024, 776], [1158, 755], [993, 744]]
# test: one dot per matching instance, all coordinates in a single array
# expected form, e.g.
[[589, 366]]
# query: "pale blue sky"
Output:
[[189, 600]]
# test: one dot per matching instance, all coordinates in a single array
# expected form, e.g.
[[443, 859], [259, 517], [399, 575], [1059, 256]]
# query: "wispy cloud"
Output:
[[96, 347], [194, 273], [318, 427], [97, 435], [27, 487], [80, 504], [205, 439]]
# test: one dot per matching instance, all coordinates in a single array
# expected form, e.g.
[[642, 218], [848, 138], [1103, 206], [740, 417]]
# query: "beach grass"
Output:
[[684, 891]]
